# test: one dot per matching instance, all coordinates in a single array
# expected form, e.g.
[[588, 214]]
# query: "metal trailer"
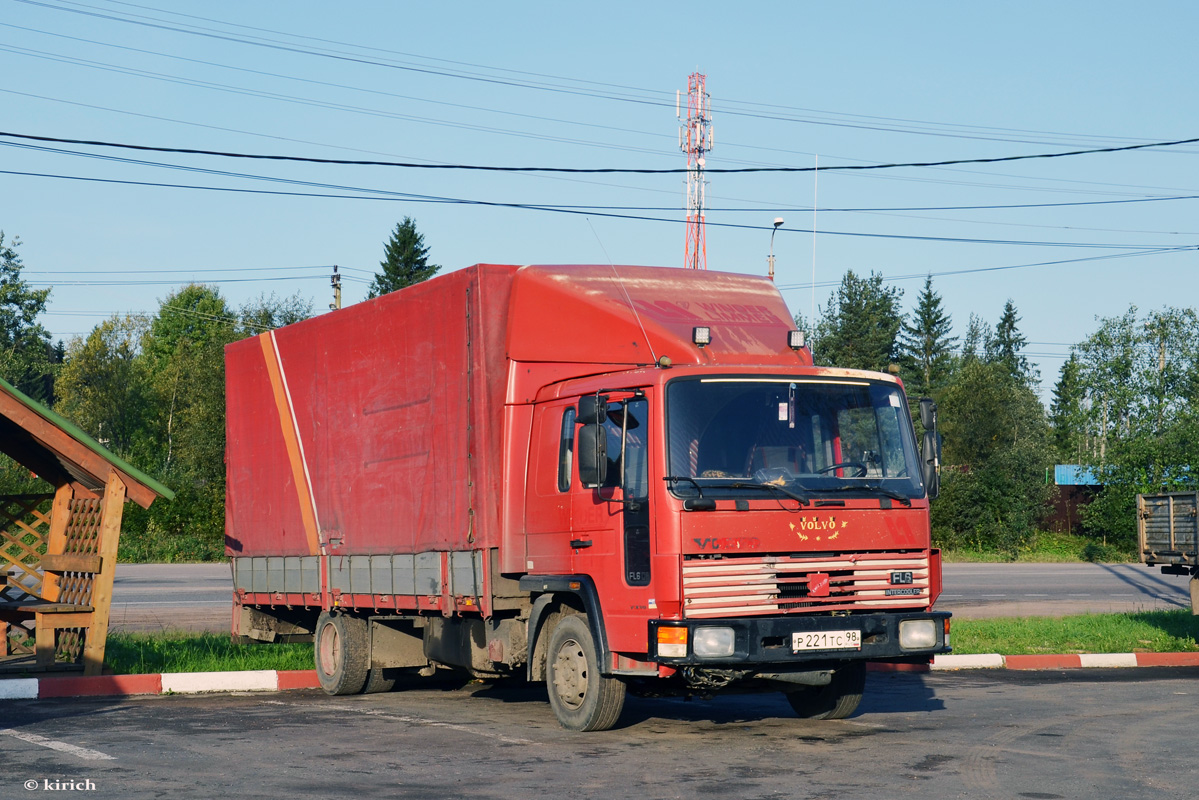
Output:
[[1168, 535], [606, 478]]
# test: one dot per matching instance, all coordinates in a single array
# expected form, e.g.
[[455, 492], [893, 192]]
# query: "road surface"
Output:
[[1095, 734]]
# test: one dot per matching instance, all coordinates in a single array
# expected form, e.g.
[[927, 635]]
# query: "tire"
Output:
[[582, 698], [837, 700], [376, 682], [339, 650]]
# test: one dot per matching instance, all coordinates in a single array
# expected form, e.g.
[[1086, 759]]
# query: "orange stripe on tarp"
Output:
[[291, 441]]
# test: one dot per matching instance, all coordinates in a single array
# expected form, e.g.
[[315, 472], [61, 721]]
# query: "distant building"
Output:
[[1077, 486]]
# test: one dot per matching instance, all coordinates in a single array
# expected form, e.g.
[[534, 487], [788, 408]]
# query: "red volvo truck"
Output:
[[608, 478]]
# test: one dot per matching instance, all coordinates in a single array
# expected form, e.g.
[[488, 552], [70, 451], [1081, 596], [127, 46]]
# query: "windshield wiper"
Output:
[[803, 500], [871, 488], [799, 498]]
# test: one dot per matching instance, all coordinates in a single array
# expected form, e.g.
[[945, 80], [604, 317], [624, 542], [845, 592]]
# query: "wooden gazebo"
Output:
[[59, 551]]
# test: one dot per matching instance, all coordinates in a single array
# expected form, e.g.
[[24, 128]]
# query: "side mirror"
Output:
[[593, 408], [930, 448], [593, 453], [930, 458], [928, 413]]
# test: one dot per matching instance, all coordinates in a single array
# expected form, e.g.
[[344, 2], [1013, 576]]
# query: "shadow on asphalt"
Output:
[[897, 693]]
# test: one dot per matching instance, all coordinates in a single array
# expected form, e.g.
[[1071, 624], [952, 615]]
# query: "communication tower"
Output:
[[695, 139]]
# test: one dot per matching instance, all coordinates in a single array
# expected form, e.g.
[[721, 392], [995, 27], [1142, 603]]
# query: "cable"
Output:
[[379, 194], [578, 170]]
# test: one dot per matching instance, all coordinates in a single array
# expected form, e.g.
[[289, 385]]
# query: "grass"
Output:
[[1145, 632], [141, 653], [1044, 548]]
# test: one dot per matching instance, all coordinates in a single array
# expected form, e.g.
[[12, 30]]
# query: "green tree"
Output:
[[997, 445], [266, 313], [977, 341], [1005, 346], [26, 353], [405, 260], [103, 387], [1139, 381], [1067, 413], [925, 344], [183, 356], [859, 327]]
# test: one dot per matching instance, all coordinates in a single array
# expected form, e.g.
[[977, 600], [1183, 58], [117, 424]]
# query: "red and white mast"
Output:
[[695, 139]]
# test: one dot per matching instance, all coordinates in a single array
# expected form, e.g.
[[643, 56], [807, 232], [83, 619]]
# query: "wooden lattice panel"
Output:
[[24, 530], [82, 538]]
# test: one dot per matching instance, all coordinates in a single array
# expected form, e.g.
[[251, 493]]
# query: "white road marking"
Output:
[[405, 718], [79, 752]]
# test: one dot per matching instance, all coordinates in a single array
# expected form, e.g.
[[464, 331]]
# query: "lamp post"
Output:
[[778, 221]]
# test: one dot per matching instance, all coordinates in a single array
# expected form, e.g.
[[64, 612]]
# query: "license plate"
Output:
[[826, 640]]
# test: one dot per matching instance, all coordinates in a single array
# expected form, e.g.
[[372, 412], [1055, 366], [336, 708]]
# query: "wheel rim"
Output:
[[330, 651], [570, 674]]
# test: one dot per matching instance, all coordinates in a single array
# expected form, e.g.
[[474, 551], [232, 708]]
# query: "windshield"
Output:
[[811, 435]]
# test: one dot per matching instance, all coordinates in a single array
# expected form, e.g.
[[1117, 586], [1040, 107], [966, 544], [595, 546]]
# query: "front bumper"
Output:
[[768, 640]]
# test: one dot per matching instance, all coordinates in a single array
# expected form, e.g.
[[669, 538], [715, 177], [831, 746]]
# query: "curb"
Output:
[[169, 683], [1065, 661], [287, 680]]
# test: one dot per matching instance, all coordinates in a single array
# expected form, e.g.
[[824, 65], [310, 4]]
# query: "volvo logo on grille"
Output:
[[901, 578]]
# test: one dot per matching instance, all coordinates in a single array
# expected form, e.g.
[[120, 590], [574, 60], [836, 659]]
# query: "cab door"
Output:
[[548, 495], [612, 523]]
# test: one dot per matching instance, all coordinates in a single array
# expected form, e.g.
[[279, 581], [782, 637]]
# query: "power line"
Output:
[[643, 96], [383, 195], [578, 170]]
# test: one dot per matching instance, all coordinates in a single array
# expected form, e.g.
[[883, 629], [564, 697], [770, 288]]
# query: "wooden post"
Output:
[[60, 515], [112, 507]]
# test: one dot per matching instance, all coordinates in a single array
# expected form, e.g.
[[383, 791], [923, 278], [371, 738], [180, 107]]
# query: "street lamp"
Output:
[[778, 221]]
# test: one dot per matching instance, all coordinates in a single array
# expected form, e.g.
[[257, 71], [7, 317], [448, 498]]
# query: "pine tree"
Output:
[[405, 261], [1007, 343], [1066, 413], [860, 325], [925, 343]]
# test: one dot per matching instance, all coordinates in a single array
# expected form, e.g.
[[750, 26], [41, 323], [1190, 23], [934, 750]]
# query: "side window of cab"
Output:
[[566, 449]]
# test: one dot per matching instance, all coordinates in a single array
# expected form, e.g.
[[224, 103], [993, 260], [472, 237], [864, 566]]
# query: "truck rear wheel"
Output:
[[340, 650], [837, 700], [582, 698]]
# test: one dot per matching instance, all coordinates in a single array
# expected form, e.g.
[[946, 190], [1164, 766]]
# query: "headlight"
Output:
[[918, 634], [712, 642]]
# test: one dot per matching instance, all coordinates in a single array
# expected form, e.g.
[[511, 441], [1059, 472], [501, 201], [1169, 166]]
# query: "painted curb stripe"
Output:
[[1066, 661], [983, 661], [1167, 659], [100, 686], [298, 679], [18, 689], [1108, 659], [193, 682]]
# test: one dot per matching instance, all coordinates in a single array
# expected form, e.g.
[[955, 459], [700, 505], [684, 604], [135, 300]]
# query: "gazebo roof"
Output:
[[59, 452]]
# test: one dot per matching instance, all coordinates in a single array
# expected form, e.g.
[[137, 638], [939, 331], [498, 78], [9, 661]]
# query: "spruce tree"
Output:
[[405, 260], [925, 343]]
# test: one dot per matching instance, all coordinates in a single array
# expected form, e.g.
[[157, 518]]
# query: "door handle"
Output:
[[579, 544]]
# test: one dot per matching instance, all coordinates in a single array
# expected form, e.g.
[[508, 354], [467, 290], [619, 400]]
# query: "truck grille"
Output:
[[748, 586]]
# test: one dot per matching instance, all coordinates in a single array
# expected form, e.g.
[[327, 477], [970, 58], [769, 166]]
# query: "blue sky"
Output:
[[574, 85]]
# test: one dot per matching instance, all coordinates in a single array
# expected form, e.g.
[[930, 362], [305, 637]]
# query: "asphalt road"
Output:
[[198, 596], [1094, 734]]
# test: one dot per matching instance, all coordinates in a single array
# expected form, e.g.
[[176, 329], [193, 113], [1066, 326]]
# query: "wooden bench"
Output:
[[68, 601]]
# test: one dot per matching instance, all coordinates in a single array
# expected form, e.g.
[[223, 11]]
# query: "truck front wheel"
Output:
[[340, 647], [836, 700], [582, 698]]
